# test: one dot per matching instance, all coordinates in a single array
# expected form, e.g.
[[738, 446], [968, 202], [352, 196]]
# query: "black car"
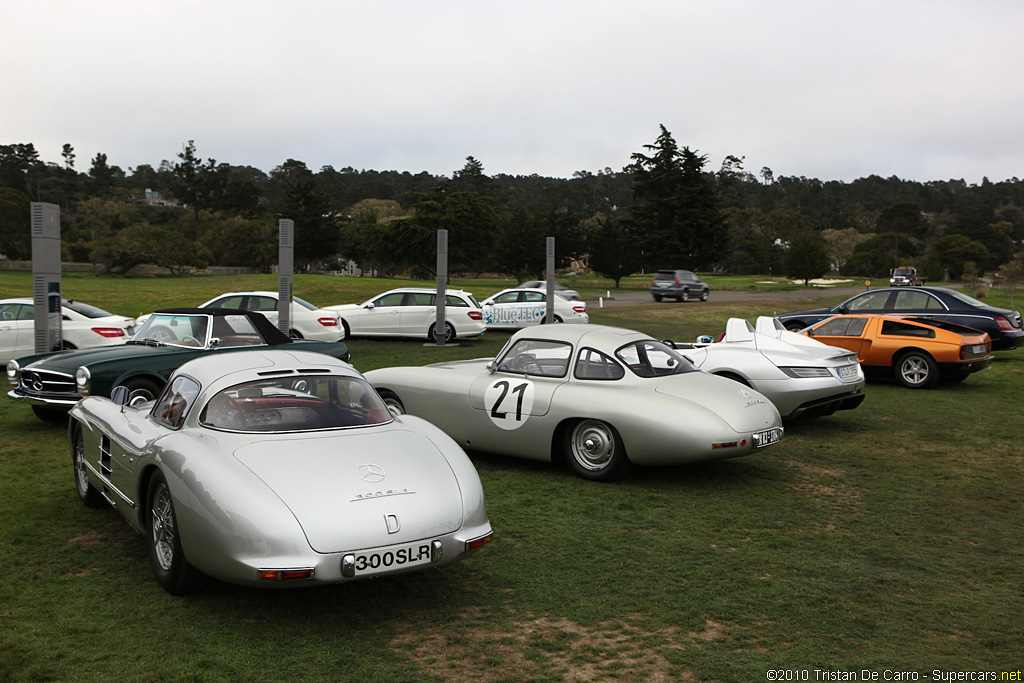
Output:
[[53, 382], [939, 303], [681, 285]]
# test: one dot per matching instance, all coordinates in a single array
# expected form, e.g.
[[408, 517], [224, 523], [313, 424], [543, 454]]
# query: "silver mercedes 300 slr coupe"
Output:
[[601, 398], [802, 376], [275, 469]]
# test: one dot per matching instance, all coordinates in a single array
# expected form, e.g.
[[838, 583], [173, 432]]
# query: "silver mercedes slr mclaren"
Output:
[[277, 469], [601, 398], [802, 376]]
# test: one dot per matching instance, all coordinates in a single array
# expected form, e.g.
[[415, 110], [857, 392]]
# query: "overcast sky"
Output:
[[835, 90]]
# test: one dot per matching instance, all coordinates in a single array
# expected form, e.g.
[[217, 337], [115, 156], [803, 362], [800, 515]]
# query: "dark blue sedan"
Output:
[[940, 303]]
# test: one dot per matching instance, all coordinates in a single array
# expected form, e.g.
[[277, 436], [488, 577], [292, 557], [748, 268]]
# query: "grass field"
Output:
[[886, 538]]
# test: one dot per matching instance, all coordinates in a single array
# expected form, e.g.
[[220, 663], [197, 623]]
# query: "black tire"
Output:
[[67, 346], [916, 370], [685, 296], [348, 330], [657, 297], [391, 400], [794, 325], [595, 451], [53, 415], [173, 572], [141, 389], [87, 493], [295, 334], [544, 320], [705, 295], [449, 333]]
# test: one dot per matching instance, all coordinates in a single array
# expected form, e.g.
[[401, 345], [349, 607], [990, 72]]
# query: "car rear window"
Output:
[[87, 310], [307, 403]]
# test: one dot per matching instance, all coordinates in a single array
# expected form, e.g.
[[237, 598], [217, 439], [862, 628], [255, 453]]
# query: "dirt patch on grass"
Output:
[[545, 648]]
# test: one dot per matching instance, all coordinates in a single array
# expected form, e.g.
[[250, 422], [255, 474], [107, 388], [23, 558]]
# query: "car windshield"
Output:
[[297, 404], [649, 358], [191, 331]]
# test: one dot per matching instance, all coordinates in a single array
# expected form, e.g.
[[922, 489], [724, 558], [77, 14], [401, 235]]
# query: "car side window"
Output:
[[592, 364], [873, 301], [262, 303], [537, 357], [507, 298], [227, 302], [534, 296], [840, 327], [392, 299], [458, 302], [421, 299], [898, 328], [178, 397], [915, 301]]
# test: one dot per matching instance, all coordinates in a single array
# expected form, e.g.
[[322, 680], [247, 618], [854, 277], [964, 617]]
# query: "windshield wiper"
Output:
[[146, 342]]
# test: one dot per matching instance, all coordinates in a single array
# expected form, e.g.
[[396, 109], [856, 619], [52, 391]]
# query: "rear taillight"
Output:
[[328, 322], [285, 574], [1004, 324], [475, 315], [580, 309], [479, 542], [677, 281], [109, 332]]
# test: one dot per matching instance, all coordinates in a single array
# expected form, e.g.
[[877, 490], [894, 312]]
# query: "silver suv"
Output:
[[682, 285]]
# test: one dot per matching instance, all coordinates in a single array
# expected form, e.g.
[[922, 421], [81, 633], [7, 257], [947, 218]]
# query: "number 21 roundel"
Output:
[[508, 402]]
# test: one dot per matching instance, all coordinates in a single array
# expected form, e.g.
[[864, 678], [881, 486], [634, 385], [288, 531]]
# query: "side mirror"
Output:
[[214, 342], [490, 367], [120, 395], [705, 339], [369, 306], [488, 303]]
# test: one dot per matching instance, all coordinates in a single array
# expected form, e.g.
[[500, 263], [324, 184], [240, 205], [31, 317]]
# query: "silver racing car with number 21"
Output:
[[600, 398]]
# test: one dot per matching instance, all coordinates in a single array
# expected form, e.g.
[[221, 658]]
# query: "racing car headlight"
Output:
[[13, 372], [83, 380], [804, 373]]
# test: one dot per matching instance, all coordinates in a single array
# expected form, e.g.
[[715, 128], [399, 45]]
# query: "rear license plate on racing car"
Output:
[[391, 559], [767, 437], [848, 371]]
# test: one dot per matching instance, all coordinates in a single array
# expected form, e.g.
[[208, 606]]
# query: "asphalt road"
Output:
[[640, 297]]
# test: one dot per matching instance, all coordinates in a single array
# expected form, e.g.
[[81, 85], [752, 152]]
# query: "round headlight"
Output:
[[83, 380], [13, 372]]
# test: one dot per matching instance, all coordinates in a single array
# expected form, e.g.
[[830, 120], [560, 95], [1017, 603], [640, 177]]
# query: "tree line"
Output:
[[664, 209]]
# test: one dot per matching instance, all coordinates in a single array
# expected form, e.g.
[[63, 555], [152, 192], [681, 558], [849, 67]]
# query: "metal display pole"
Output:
[[442, 287], [285, 273], [46, 276], [550, 272]]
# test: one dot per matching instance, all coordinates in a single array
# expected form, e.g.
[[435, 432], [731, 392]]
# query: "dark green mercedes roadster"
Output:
[[53, 382]]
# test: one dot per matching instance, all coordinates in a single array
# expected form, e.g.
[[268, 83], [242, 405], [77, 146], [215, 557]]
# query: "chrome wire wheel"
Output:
[[81, 474], [593, 445], [162, 526]]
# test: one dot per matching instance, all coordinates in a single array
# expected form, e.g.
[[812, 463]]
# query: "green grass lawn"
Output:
[[885, 538]]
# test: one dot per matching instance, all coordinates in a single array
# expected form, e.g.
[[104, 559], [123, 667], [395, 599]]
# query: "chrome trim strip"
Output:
[[108, 486]]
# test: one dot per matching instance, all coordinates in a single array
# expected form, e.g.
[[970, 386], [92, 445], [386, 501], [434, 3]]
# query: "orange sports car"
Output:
[[917, 351]]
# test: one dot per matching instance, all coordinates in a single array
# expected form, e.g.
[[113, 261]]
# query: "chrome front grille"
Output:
[[45, 382]]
